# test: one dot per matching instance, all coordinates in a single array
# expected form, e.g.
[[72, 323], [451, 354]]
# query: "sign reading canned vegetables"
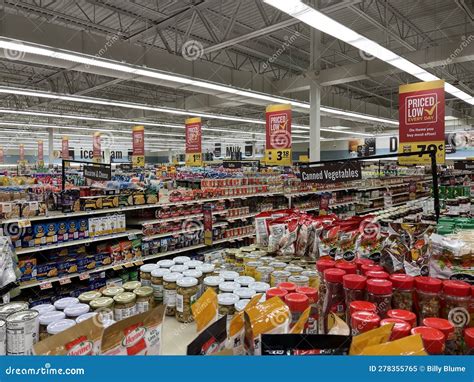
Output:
[[96, 147], [193, 142], [138, 141], [421, 119], [65, 147], [278, 135], [331, 172]]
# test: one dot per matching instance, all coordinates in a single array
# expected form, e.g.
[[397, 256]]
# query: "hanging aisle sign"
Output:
[[40, 154], [96, 147], [331, 172], [138, 146], [2, 155], [421, 119], [278, 135], [65, 148], [193, 142], [22, 153]]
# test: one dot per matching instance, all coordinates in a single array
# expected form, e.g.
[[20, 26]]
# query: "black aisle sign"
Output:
[[331, 172], [97, 172], [465, 165]]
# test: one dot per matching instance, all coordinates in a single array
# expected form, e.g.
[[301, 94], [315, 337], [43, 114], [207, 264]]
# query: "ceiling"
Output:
[[246, 43]]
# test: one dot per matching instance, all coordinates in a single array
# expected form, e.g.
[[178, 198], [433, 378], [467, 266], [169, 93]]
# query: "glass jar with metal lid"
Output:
[[157, 283], [229, 275], [267, 260], [251, 266], [239, 258], [278, 277], [230, 254], [144, 298], [226, 302], [186, 295], [250, 257], [228, 286], [145, 273], [165, 263], [104, 306], [179, 268], [197, 274], [313, 278], [212, 282], [87, 297], [47, 318], [75, 310], [169, 292], [263, 273], [278, 265], [192, 264], [181, 259], [112, 291], [124, 305], [294, 269], [299, 280], [130, 286], [244, 281]]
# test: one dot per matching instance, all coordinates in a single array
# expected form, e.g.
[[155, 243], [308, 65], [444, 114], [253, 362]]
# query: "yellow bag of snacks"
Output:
[[411, 345], [236, 332], [271, 317], [372, 337], [81, 339], [299, 325], [205, 309], [136, 335]]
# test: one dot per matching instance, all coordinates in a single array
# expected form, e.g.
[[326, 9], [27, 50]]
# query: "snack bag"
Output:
[[261, 224], [411, 345], [272, 317], [205, 309], [81, 339], [236, 332], [372, 337], [303, 237], [328, 240], [136, 335], [210, 341], [370, 241], [347, 242]]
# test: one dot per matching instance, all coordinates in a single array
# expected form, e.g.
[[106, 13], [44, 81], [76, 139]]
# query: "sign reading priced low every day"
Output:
[[278, 135], [193, 142], [421, 119]]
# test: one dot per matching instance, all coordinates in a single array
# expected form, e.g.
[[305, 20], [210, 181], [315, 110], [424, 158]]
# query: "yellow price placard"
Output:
[[138, 160], [278, 157], [408, 147], [194, 159]]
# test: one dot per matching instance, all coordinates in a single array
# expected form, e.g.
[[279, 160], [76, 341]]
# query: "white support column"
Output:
[[315, 96], [50, 145], [170, 156]]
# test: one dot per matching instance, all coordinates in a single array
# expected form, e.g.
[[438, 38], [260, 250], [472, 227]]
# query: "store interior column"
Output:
[[315, 98]]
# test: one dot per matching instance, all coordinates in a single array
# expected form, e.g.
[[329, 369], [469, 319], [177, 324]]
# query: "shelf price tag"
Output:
[[132, 236], [64, 281], [26, 223], [117, 268], [84, 276], [128, 265], [138, 263], [46, 285]]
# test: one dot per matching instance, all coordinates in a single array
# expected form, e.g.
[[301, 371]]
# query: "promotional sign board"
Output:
[[138, 146], [193, 142], [207, 216], [22, 153], [65, 147], [278, 135], [96, 147], [421, 119], [331, 172], [40, 153], [97, 172]]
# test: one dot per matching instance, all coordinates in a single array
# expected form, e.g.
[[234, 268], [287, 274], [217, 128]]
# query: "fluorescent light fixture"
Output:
[[325, 24]]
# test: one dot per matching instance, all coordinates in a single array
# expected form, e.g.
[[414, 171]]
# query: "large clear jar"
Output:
[[144, 298], [313, 278], [354, 290], [299, 280], [124, 305], [428, 301], [157, 283], [112, 291], [334, 300], [403, 287], [104, 307], [130, 286], [212, 282], [379, 291], [87, 297], [145, 273], [186, 295], [197, 275], [226, 302], [456, 301], [229, 275], [263, 274], [169, 292], [277, 277], [244, 281]]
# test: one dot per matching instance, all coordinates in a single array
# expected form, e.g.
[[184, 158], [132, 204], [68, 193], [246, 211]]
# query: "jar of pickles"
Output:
[[251, 266], [197, 274], [186, 295], [125, 305], [131, 286], [313, 278], [229, 275], [157, 283], [277, 277], [112, 291], [428, 297], [180, 260], [294, 269], [87, 297], [104, 307], [230, 255], [145, 273], [263, 273], [403, 286], [244, 281], [228, 287], [226, 302], [169, 292], [144, 298], [165, 263], [212, 282], [278, 265]]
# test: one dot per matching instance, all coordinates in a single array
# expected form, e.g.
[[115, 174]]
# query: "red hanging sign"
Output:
[[22, 152], [2, 155], [421, 119], [193, 142], [65, 148], [278, 135], [138, 146], [40, 151]]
